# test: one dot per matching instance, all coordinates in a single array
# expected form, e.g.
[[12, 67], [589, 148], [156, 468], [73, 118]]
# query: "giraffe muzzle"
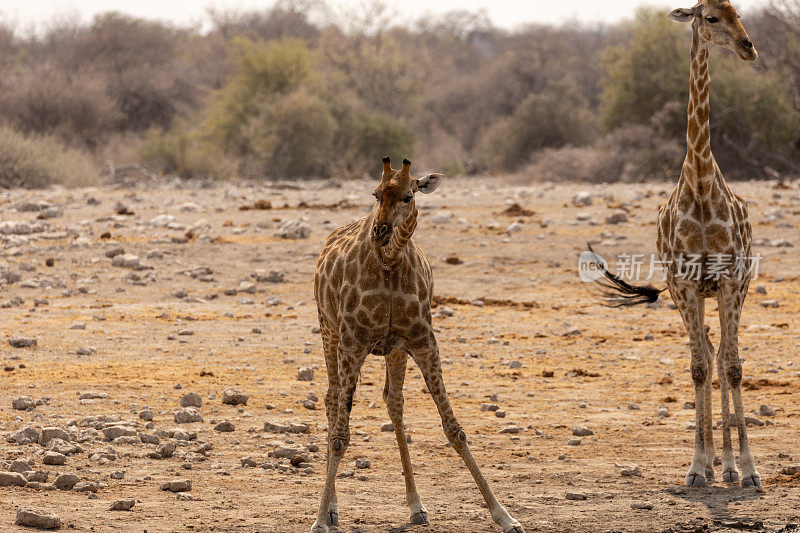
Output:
[[381, 233]]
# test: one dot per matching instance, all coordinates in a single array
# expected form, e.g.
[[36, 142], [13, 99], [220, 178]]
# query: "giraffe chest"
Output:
[[373, 305]]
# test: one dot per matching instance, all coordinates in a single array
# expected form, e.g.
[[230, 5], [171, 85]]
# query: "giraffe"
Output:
[[705, 221], [373, 287]]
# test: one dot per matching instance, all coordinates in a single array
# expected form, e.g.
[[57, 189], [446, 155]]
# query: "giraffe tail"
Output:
[[616, 292]]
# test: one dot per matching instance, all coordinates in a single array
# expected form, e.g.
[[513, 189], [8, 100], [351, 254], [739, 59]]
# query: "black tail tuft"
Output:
[[616, 292]]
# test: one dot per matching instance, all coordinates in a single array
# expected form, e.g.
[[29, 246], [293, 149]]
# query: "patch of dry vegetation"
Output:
[[273, 94]]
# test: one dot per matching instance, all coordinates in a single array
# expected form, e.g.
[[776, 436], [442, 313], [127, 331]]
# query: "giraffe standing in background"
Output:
[[704, 219], [373, 288]]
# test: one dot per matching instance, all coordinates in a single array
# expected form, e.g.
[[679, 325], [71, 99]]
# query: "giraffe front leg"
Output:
[[427, 358], [393, 396], [691, 308], [731, 298], [349, 363], [730, 474], [708, 430]]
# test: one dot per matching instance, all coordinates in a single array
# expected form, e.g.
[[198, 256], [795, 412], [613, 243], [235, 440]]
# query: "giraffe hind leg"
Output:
[[427, 358]]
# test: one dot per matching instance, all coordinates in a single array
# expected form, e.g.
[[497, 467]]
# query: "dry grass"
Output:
[[38, 161]]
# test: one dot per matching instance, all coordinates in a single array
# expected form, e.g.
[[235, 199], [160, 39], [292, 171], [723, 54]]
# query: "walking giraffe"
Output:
[[373, 288], [705, 220]]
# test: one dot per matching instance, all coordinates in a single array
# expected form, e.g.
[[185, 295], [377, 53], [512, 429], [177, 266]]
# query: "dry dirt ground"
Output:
[[535, 311]]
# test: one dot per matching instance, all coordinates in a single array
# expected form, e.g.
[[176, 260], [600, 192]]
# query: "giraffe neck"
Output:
[[391, 254], [698, 130]]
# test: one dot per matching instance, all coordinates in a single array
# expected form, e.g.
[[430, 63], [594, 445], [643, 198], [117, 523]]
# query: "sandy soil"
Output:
[[536, 311]]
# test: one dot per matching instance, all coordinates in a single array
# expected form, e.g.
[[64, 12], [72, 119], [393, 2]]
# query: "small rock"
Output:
[[188, 415], [12, 479], [363, 463], [146, 414], [617, 217], [291, 427], [305, 374], [791, 470], [224, 427], [23, 403], [387, 427], [191, 400], [766, 410], [234, 397], [769, 303], [631, 471], [581, 431], [293, 229], [178, 485], [54, 458], [642, 505], [574, 442], [125, 261], [22, 342], [20, 466], [51, 433], [37, 518], [86, 486], [66, 481], [123, 505], [577, 496], [511, 429], [184, 497]]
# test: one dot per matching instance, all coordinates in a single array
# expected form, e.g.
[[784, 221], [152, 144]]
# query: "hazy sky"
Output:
[[502, 12]]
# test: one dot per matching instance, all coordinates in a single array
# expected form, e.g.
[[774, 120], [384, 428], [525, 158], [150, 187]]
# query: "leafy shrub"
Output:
[[643, 75], [38, 161], [265, 71], [182, 152], [364, 136], [556, 117], [291, 136]]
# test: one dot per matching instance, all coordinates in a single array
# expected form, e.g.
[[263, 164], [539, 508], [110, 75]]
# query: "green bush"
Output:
[[364, 136], [181, 152], [557, 117], [265, 71], [643, 75], [37, 161], [291, 136]]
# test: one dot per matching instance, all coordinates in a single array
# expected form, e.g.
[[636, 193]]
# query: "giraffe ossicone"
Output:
[[373, 287], [703, 217]]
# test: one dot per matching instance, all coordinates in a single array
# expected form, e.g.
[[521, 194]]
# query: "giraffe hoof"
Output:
[[730, 476], [318, 528], [332, 519], [420, 519], [709, 475], [752, 481], [695, 480], [513, 527]]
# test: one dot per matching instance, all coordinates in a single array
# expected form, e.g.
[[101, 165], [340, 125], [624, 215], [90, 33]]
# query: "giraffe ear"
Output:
[[428, 184], [682, 14]]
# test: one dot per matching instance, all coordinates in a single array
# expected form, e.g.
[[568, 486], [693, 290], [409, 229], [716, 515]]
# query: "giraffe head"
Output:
[[395, 195], [718, 22]]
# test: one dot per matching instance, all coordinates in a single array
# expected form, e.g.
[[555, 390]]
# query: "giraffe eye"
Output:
[[407, 198], [377, 196], [712, 20]]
